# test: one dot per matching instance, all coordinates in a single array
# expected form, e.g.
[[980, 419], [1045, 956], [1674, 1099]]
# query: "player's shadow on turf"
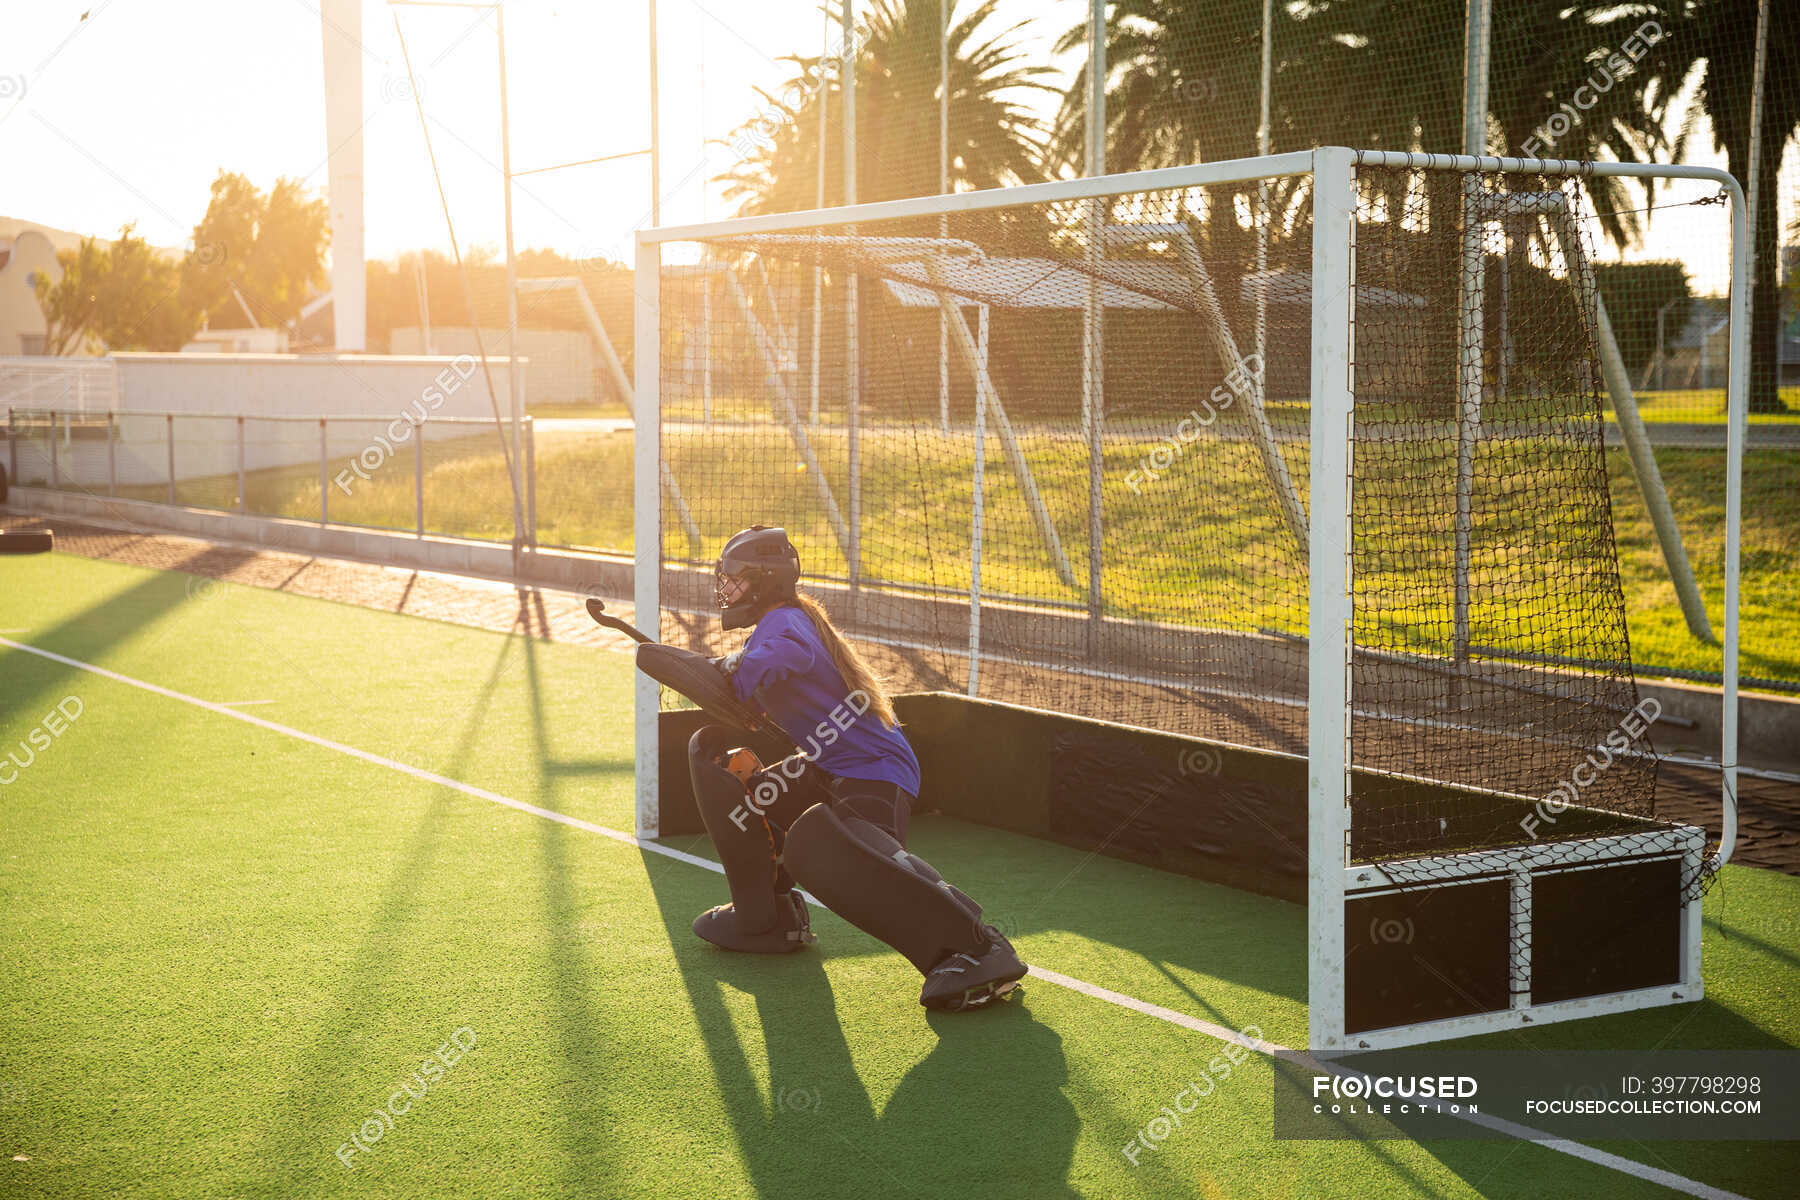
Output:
[[984, 1103]]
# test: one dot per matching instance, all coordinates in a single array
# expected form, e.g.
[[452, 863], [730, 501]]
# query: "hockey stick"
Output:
[[597, 609]]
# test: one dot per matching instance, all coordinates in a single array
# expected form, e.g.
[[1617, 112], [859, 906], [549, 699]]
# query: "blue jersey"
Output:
[[787, 669]]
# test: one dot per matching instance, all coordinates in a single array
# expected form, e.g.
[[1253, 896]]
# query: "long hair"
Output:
[[849, 663]]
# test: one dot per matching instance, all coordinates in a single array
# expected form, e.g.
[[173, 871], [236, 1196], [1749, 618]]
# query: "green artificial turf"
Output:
[[222, 948]]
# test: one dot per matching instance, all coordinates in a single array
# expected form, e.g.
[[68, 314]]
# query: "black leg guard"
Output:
[[917, 865], [867, 878], [961, 981], [762, 918]]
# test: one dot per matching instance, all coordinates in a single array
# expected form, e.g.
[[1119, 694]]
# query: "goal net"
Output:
[[1070, 449]]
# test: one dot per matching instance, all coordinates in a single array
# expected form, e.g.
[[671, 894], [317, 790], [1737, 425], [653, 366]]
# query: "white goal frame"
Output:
[[1331, 879]]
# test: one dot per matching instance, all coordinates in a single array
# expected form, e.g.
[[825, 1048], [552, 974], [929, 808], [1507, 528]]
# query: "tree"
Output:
[[1182, 86], [1389, 72], [140, 301], [269, 248], [125, 296], [1720, 49], [994, 138], [69, 304], [1557, 57], [1390, 76]]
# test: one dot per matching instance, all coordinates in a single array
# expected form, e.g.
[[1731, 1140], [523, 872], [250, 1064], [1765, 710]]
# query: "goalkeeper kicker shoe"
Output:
[[964, 981], [791, 931]]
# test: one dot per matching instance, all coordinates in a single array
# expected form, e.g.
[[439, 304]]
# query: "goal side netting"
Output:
[[1059, 455]]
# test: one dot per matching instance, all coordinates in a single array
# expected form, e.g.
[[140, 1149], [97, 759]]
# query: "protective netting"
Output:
[[1088, 496], [1148, 568], [1482, 523], [1490, 644], [1184, 83]]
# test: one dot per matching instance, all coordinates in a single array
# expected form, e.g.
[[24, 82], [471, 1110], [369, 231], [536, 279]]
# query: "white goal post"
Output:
[[1332, 881]]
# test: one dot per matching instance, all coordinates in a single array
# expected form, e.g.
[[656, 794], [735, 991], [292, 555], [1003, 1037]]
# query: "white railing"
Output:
[[153, 455], [75, 385]]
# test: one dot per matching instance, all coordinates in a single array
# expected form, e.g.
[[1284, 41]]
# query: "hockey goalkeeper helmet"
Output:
[[757, 568]]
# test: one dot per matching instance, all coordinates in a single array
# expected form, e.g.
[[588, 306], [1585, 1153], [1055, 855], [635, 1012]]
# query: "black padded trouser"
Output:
[[797, 784]]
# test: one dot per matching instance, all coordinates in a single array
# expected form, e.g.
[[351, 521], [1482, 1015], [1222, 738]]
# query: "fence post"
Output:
[[530, 483], [55, 482], [112, 454], [170, 418], [12, 443], [324, 496], [419, 481], [242, 500]]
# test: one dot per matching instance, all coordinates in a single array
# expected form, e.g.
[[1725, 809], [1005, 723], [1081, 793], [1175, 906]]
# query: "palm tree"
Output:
[[1182, 85], [1183, 77], [1374, 73], [1716, 43], [1545, 53], [994, 137]]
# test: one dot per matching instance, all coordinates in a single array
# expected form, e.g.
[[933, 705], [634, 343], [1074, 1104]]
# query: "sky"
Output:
[[128, 114]]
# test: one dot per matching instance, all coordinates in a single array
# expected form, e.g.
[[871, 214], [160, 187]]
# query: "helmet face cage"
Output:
[[729, 588], [758, 567]]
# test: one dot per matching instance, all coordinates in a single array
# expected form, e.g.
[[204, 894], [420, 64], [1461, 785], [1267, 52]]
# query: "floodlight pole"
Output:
[[818, 278], [1756, 120], [944, 7], [1471, 310], [655, 130], [1093, 313], [852, 350], [522, 536], [1263, 132]]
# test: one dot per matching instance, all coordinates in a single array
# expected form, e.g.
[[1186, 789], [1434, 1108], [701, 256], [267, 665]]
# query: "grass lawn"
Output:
[[602, 409], [224, 947], [1162, 564], [1707, 406]]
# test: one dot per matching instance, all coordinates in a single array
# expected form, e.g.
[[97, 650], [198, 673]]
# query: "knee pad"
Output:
[[866, 877], [879, 840], [742, 838]]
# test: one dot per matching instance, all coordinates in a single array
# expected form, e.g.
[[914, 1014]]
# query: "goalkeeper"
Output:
[[833, 815]]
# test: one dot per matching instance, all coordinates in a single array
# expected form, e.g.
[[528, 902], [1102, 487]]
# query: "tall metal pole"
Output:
[[646, 519], [1263, 133], [1476, 49], [424, 291], [1756, 120], [522, 535], [853, 355], [344, 120], [655, 130], [818, 280], [944, 7], [1093, 391], [1470, 309]]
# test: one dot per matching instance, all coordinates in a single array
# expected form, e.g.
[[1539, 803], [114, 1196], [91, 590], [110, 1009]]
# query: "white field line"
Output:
[[1578, 1150]]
